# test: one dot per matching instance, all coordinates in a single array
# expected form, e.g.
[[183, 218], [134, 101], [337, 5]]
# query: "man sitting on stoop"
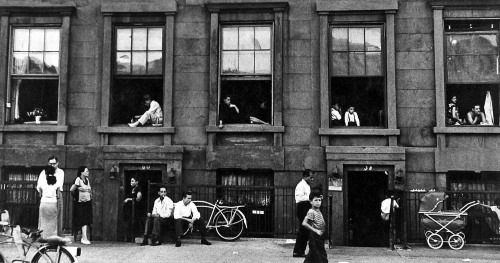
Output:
[[186, 215], [160, 216]]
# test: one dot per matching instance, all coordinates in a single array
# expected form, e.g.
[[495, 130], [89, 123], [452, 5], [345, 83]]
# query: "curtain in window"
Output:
[[488, 109], [17, 84]]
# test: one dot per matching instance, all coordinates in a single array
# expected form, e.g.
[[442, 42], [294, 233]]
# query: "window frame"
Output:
[[274, 13], [453, 10], [379, 12], [140, 15], [48, 15], [245, 77]]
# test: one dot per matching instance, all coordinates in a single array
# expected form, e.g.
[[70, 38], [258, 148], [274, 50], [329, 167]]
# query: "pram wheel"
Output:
[[456, 241], [461, 234], [435, 241], [427, 234]]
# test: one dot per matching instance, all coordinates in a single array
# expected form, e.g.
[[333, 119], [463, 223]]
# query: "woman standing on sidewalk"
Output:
[[48, 203], [83, 208]]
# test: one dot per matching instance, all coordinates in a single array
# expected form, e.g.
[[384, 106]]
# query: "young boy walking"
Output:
[[316, 224]]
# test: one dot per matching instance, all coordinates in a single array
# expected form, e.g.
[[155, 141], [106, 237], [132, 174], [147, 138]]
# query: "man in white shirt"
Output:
[[154, 113], [302, 191], [186, 215], [161, 215]]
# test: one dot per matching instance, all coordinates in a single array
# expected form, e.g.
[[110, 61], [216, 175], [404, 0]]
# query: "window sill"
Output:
[[481, 129], [126, 129], [27, 127], [357, 131], [253, 128]]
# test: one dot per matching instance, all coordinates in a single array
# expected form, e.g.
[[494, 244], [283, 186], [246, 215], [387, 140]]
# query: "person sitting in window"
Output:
[[476, 116], [153, 114], [336, 115], [228, 113], [351, 117], [452, 113], [261, 115]]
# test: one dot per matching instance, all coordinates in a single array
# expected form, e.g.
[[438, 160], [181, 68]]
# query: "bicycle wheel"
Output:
[[229, 225], [50, 254]]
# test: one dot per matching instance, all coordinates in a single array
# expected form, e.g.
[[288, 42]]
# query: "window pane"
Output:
[[356, 39], [52, 40], [36, 39], [246, 62], [123, 62], [139, 37], [263, 62], [28, 94], [262, 38], [230, 62], [155, 63], [20, 63], [356, 63], [373, 39], [21, 39], [51, 63], [155, 39], [373, 63], [485, 44], [138, 62], [230, 38], [472, 68], [339, 39], [36, 62], [339, 63], [123, 39], [246, 38]]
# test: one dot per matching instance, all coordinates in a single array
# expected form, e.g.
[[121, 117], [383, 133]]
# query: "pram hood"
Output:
[[429, 201]]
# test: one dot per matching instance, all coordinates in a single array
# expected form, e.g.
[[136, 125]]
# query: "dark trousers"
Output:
[[302, 235], [317, 252], [154, 225], [181, 225]]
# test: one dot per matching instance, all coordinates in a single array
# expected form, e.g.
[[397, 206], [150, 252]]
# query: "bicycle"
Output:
[[228, 221], [50, 250]]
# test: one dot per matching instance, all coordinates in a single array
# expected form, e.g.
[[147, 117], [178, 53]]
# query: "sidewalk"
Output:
[[267, 250]]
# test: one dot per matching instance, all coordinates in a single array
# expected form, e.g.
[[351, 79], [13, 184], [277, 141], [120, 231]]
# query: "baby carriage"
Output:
[[443, 226]]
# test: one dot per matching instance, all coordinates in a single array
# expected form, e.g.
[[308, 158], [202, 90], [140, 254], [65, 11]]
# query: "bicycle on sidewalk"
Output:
[[228, 221], [50, 250]]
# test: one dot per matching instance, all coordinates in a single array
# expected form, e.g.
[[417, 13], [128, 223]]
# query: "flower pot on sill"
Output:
[[37, 119]]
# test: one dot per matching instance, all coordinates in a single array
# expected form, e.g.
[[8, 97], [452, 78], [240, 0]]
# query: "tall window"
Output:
[[357, 76], [34, 75], [138, 70], [246, 74], [472, 73]]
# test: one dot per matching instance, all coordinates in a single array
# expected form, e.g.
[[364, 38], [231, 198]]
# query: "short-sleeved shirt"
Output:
[[316, 219], [83, 189]]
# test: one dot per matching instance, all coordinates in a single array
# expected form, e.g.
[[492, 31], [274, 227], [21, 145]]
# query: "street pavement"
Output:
[[267, 250]]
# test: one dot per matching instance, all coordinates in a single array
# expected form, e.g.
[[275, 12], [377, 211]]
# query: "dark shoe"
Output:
[[299, 255], [155, 243], [144, 242], [178, 243], [205, 242]]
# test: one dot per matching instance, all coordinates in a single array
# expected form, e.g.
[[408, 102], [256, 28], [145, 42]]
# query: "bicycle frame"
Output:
[[216, 209]]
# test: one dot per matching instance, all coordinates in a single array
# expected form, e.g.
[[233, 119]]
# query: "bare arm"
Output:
[[306, 224]]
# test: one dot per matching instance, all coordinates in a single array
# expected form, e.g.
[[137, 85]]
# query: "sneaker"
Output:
[[144, 242], [205, 242], [85, 241], [178, 243]]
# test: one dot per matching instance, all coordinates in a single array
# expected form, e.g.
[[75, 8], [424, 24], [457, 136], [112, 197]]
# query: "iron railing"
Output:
[[270, 210], [22, 201], [482, 226]]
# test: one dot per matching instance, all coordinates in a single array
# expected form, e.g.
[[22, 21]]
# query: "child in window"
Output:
[[351, 117], [316, 224]]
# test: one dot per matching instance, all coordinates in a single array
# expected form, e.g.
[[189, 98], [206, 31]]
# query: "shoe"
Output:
[[205, 242], [155, 243], [178, 243], [299, 255], [85, 242], [144, 242]]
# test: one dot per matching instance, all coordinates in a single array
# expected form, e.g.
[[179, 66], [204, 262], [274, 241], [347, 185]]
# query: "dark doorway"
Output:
[[143, 176], [366, 191]]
